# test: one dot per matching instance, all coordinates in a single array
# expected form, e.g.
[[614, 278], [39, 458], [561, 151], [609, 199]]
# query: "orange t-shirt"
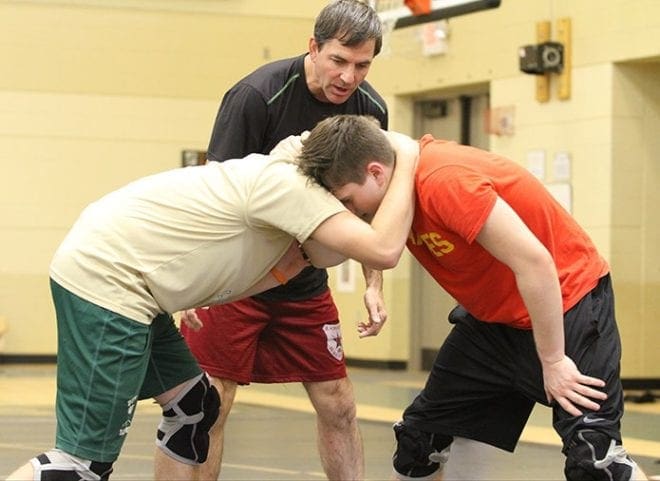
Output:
[[456, 188]]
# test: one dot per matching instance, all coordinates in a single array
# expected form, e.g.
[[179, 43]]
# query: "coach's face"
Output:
[[337, 70]]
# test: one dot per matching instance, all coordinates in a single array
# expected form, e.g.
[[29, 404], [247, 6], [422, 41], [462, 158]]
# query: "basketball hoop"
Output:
[[408, 13], [419, 7]]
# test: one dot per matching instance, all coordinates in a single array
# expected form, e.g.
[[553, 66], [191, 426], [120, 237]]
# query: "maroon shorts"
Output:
[[252, 340]]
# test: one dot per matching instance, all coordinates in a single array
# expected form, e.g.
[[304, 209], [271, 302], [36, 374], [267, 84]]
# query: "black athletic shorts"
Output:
[[487, 377]]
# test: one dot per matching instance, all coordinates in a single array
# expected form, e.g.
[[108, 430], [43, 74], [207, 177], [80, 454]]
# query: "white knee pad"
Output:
[[56, 464]]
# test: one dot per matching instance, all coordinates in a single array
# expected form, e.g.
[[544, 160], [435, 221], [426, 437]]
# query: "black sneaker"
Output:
[[597, 465]]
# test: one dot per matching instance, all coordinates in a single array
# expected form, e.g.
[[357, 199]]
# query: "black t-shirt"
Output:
[[268, 105]]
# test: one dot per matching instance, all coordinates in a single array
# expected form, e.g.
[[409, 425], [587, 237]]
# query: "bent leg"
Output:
[[593, 442], [101, 362], [190, 404], [225, 348], [339, 438], [189, 411], [470, 395], [210, 470]]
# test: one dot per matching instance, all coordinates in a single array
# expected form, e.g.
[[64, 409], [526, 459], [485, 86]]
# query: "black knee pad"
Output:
[[419, 454], [183, 432], [594, 456]]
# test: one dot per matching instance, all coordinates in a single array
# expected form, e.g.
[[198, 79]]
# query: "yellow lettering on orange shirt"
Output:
[[434, 243]]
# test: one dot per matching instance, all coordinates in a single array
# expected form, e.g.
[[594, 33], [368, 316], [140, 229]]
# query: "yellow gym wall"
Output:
[[635, 221], [96, 93]]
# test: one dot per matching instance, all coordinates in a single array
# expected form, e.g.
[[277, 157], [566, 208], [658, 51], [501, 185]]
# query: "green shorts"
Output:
[[105, 363]]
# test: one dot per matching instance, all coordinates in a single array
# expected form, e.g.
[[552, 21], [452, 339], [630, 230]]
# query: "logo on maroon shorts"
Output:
[[333, 335]]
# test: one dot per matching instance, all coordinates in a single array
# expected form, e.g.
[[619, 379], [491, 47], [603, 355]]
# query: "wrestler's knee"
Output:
[[183, 433], [419, 455], [594, 456], [334, 402]]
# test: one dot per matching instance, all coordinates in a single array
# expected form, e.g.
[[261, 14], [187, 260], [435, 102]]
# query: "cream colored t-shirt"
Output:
[[189, 237]]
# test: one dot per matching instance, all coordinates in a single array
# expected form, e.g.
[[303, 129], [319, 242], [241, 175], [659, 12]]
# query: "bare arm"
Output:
[[378, 245], [321, 256], [374, 302], [507, 238]]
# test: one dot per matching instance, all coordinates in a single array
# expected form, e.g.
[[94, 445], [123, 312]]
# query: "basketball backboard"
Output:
[[396, 14]]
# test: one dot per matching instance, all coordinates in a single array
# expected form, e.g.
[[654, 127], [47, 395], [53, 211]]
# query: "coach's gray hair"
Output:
[[352, 22], [339, 148]]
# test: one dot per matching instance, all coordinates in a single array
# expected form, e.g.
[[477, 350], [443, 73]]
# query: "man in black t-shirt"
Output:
[[291, 333]]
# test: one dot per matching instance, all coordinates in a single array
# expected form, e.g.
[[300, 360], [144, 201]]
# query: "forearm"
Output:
[[394, 216], [390, 226], [373, 278], [380, 243], [374, 302], [541, 293], [562, 380]]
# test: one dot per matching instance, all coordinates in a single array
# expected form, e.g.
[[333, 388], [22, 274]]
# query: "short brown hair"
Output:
[[339, 148]]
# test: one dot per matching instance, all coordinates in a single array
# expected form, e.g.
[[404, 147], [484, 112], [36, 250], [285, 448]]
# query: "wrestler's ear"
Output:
[[378, 172]]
